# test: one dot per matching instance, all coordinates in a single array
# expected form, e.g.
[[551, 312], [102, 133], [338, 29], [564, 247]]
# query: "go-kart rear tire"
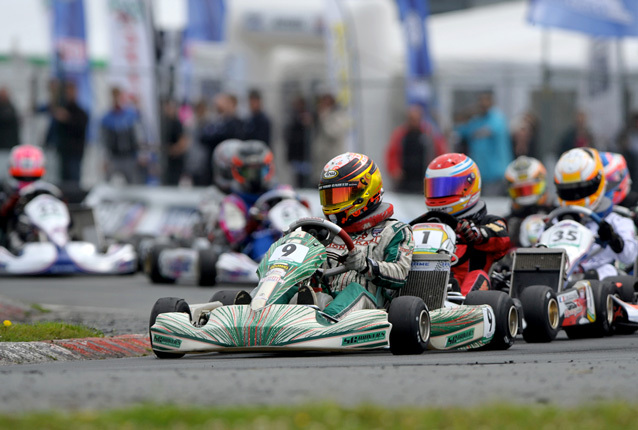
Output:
[[164, 305], [207, 267], [628, 286], [410, 321], [227, 297], [506, 324], [152, 267], [541, 312]]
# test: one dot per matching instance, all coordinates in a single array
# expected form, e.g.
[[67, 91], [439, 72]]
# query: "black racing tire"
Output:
[[410, 321], [227, 297], [151, 265], [207, 267], [624, 287], [506, 324], [542, 315], [161, 306], [604, 306]]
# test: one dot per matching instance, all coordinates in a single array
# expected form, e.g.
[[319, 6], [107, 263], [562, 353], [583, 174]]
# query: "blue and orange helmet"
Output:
[[452, 184]]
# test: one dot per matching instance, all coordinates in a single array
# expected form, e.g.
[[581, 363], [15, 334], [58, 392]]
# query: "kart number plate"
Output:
[[566, 237], [290, 252], [428, 239]]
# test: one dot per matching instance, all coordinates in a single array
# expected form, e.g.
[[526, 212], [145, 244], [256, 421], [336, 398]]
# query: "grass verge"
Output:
[[44, 331], [599, 416]]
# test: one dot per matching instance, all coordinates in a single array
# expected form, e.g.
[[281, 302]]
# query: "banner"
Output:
[[339, 63], [413, 14], [607, 18], [206, 23], [70, 58], [131, 64]]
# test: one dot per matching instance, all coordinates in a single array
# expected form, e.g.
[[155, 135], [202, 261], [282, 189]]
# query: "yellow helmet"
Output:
[[527, 184], [350, 187], [580, 178]]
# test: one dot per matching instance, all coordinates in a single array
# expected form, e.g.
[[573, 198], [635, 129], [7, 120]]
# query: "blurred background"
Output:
[[362, 75]]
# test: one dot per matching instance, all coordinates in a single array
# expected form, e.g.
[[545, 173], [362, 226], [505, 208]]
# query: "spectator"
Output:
[[488, 142], [578, 135], [71, 123], [297, 137], [257, 125], [331, 128], [628, 145], [420, 143], [119, 134], [174, 144], [9, 122], [197, 151], [525, 136], [55, 98], [225, 126]]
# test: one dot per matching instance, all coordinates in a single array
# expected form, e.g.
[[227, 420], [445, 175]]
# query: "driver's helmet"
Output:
[[222, 163], [527, 181], [452, 184], [616, 175], [252, 167], [350, 188], [26, 164], [580, 178]]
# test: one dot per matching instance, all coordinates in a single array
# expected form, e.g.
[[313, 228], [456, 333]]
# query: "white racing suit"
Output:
[[388, 246], [603, 262]]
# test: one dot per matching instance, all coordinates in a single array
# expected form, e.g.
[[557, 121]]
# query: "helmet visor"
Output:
[[578, 190], [334, 194], [446, 186], [526, 190]]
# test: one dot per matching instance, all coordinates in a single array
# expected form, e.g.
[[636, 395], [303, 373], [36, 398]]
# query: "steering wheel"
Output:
[[436, 216], [558, 213], [325, 232], [268, 200]]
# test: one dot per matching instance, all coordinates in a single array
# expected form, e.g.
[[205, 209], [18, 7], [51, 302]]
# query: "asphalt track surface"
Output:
[[563, 372]]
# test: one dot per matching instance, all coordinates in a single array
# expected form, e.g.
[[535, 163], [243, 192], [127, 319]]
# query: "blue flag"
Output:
[[606, 18], [413, 14], [70, 56], [206, 21]]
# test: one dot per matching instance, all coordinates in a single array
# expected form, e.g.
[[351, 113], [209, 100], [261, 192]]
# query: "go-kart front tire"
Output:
[[151, 265], [541, 312], [604, 306], [506, 324], [207, 268], [161, 306], [410, 321], [624, 287]]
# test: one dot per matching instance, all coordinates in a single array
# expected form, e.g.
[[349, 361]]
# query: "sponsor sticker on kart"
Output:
[[293, 252], [363, 338], [489, 322], [168, 341], [429, 266], [459, 337]]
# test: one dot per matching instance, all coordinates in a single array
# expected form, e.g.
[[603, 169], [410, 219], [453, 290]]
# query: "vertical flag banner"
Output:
[[132, 61], [339, 67], [413, 14], [206, 24], [70, 57], [608, 18]]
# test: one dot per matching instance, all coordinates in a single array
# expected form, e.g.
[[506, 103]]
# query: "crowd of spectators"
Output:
[[313, 130]]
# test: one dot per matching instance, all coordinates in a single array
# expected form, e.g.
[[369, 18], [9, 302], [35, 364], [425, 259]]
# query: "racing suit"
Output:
[[388, 245], [603, 262], [475, 259]]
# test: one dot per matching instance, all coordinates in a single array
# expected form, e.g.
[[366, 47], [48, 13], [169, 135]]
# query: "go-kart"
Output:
[[43, 224], [207, 263], [273, 322], [552, 289], [482, 319]]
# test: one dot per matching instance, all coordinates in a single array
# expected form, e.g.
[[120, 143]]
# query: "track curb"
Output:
[[93, 348]]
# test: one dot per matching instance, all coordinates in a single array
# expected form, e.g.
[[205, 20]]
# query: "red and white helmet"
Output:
[[452, 184], [26, 163]]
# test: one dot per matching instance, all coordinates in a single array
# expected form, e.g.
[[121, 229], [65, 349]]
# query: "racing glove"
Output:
[[469, 233], [356, 260], [607, 234]]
